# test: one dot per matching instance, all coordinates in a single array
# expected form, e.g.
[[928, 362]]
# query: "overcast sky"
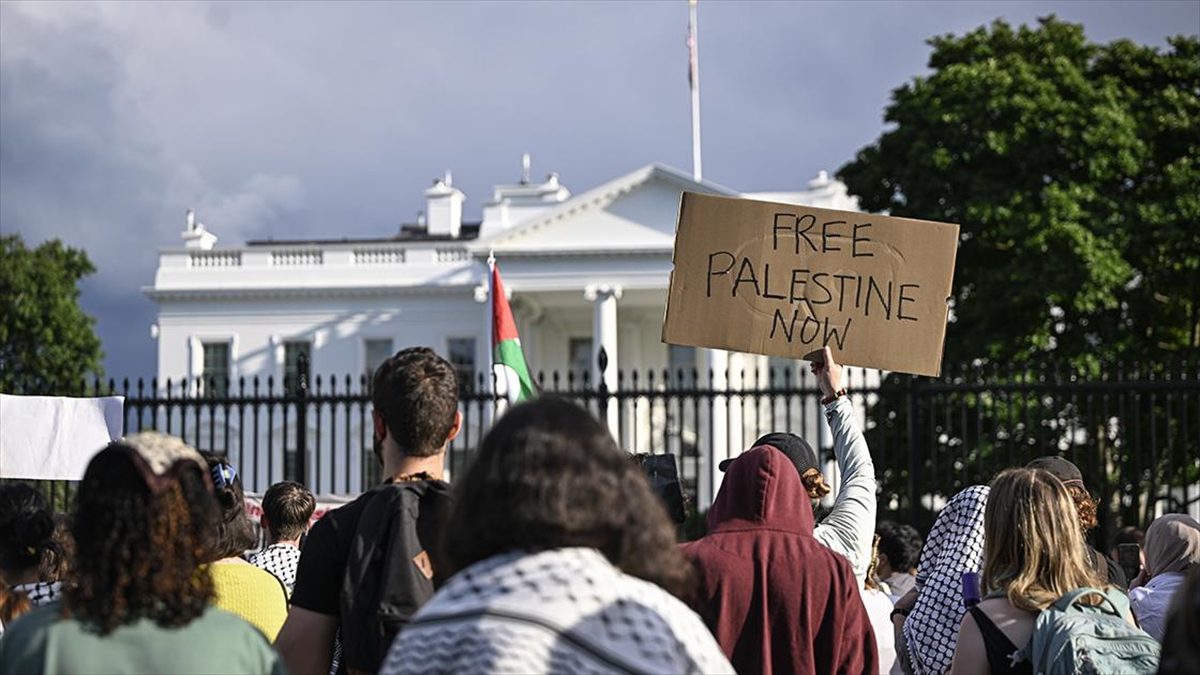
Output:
[[328, 120]]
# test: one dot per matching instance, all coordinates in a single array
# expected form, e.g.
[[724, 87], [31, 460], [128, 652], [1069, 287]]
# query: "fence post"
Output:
[[914, 450], [302, 421], [602, 389]]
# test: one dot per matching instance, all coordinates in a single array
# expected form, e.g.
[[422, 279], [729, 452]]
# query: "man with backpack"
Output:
[[367, 567]]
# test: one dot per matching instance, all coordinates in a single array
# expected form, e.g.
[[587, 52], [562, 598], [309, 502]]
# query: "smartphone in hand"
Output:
[[1129, 557]]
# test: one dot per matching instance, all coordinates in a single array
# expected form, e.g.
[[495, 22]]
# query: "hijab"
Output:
[[1172, 544], [954, 546]]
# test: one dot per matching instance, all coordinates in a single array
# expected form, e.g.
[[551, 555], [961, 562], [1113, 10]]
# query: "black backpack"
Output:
[[390, 569]]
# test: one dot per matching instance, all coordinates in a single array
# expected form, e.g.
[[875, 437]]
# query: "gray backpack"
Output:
[[1070, 637]]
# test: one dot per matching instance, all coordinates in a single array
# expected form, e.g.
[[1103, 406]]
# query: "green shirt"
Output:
[[215, 642]]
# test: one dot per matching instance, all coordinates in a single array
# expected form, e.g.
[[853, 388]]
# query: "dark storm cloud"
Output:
[[307, 119]]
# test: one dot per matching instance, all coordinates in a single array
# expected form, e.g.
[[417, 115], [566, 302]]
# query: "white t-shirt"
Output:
[[879, 610]]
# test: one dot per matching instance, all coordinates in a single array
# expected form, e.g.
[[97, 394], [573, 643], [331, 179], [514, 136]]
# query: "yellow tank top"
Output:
[[251, 593]]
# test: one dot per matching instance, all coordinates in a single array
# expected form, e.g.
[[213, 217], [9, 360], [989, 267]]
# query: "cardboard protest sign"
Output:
[[786, 280], [54, 437]]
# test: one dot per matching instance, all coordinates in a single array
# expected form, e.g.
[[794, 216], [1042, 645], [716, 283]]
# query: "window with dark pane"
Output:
[[215, 373], [292, 351], [461, 354], [377, 351], [582, 357], [681, 364]]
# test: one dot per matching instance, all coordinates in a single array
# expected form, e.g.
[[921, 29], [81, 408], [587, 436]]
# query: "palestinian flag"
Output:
[[508, 361]]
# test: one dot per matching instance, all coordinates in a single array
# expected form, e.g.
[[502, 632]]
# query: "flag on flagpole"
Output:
[[693, 61], [508, 360]]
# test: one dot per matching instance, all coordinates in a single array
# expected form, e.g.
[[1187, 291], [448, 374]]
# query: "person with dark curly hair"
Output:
[[242, 588], [26, 543], [141, 602], [899, 552], [1085, 506], [563, 560]]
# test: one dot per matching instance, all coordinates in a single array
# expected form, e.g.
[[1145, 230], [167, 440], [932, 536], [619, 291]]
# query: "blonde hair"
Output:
[[1033, 545]]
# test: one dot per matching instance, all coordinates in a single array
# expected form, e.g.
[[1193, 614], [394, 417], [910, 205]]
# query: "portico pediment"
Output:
[[634, 213]]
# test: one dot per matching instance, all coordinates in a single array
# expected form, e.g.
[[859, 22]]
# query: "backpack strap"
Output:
[[1069, 600]]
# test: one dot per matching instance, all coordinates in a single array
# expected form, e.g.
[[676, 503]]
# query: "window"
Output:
[[581, 356], [215, 373], [462, 354], [377, 351], [292, 350], [781, 372], [681, 363]]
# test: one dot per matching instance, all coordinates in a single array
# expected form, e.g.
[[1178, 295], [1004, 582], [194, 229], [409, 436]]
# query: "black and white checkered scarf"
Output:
[[954, 546]]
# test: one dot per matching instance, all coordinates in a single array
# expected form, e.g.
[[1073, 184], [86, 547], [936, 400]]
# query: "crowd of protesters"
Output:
[[553, 553]]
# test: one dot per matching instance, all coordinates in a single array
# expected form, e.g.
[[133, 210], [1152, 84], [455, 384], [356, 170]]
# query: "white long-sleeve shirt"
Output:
[[849, 528]]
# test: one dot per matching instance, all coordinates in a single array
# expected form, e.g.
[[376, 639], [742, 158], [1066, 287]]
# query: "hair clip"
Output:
[[223, 475]]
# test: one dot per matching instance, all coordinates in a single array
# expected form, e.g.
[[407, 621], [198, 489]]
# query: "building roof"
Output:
[[602, 195], [409, 232]]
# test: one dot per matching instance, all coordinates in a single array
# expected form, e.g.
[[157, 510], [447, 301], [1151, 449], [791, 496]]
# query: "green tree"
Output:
[[47, 344], [1072, 168]]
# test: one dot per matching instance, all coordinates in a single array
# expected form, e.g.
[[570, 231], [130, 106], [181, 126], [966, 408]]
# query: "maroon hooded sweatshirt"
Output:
[[776, 599]]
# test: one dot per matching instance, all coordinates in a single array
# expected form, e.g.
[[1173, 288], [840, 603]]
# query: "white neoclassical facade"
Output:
[[584, 271]]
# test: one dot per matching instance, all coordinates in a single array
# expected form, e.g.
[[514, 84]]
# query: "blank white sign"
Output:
[[54, 437]]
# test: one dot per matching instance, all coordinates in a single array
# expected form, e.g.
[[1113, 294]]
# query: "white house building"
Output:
[[584, 271]]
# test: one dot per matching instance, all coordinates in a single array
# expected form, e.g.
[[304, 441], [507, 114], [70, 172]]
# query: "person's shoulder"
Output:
[[231, 629], [34, 621], [346, 514], [245, 575], [995, 604], [224, 621], [23, 642]]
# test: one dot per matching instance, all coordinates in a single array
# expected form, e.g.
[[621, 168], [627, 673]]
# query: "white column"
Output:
[[716, 361], [604, 335]]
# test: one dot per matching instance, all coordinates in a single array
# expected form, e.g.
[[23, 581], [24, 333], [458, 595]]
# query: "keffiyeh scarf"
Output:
[[954, 546]]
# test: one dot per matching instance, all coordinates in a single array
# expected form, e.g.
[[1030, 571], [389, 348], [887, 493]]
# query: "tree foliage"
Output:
[[47, 343], [1074, 171]]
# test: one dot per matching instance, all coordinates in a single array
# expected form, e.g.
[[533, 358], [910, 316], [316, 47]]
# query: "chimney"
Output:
[[511, 204], [195, 236], [443, 208]]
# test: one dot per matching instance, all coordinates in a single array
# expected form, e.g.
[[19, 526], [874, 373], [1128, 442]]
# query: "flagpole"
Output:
[[716, 361], [694, 81]]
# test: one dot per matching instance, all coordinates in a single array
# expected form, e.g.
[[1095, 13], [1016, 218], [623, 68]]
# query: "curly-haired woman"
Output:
[[26, 542], [560, 554], [140, 602], [1107, 570]]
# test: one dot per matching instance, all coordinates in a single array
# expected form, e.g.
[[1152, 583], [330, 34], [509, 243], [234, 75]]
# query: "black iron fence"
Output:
[[1133, 430]]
